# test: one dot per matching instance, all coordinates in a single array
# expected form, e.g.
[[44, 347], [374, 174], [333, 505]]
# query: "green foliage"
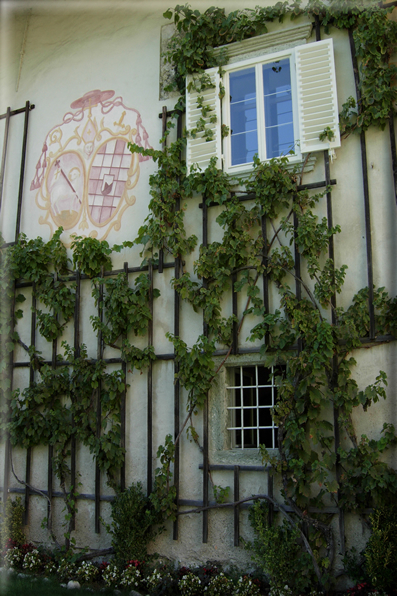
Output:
[[354, 565], [164, 494], [375, 38], [221, 493], [164, 227], [63, 402], [327, 134], [381, 551], [11, 522], [134, 524], [36, 261], [278, 552], [191, 48], [196, 368], [124, 310], [90, 255]]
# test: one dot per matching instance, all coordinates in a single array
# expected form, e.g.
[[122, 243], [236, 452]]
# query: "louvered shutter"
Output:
[[199, 151], [317, 99]]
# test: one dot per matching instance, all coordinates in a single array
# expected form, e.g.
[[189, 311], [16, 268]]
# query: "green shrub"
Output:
[[381, 550], [134, 524], [11, 522], [278, 552]]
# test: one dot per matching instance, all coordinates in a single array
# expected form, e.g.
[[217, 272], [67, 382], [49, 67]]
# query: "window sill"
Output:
[[236, 457], [309, 167]]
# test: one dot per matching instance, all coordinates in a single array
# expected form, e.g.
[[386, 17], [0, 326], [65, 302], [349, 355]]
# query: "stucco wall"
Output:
[[71, 49]]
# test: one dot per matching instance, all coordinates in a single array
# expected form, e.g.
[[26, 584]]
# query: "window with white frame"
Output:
[[252, 393], [260, 107], [271, 104]]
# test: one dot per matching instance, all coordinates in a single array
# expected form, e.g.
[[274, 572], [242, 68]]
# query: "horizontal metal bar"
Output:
[[28, 284], [19, 111], [171, 113], [182, 502], [198, 504], [247, 468], [58, 494], [251, 196], [364, 340]]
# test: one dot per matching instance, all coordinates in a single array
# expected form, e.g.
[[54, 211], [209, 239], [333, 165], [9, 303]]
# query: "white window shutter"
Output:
[[317, 99], [200, 150]]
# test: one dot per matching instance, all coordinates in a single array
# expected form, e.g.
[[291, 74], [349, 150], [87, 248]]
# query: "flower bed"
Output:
[[147, 578]]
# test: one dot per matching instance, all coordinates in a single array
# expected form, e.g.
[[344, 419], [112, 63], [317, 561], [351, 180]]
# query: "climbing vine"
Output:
[[74, 398], [318, 377]]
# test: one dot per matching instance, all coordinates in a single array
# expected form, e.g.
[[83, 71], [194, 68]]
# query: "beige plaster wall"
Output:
[[70, 48]]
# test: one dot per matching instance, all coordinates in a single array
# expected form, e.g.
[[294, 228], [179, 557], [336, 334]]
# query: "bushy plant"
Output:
[[50, 567], [381, 551], [87, 572], [133, 524], [111, 575], [278, 552], [220, 585], [354, 565], [33, 561], [66, 569], [13, 558], [153, 579], [131, 577], [247, 587], [11, 523], [189, 584]]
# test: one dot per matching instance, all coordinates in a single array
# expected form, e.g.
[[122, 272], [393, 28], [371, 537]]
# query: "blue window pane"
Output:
[[242, 85], [243, 116], [244, 147], [278, 108]]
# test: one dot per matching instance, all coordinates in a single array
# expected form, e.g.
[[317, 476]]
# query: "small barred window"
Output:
[[253, 394]]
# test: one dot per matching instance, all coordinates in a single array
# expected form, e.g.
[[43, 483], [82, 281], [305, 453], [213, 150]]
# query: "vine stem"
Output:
[[36, 490], [192, 407], [282, 510]]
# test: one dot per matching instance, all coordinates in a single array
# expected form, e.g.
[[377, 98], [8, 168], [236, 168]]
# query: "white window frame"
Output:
[[257, 63], [313, 85], [232, 409]]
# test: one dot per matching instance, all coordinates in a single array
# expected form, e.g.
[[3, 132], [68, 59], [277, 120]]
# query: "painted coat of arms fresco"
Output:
[[86, 174]]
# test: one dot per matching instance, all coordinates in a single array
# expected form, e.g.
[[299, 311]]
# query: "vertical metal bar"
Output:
[[317, 27], [265, 256], [393, 150], [366, 198], [3, 159], [150, 391], [235, 312], [333, 319], [236, 507], [50, 447], [205, 244], [7, 456], [22, 172], [27, 480], [176, 395], [335, 358], [205, 409], [7, 453], [164, 146], [99, 413], [123, 409], [270, 492], [205, 471], [298, 285], [76, 355], [31, 381]]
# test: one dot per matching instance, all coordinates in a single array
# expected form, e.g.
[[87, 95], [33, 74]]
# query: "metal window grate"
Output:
[[253, 394]]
